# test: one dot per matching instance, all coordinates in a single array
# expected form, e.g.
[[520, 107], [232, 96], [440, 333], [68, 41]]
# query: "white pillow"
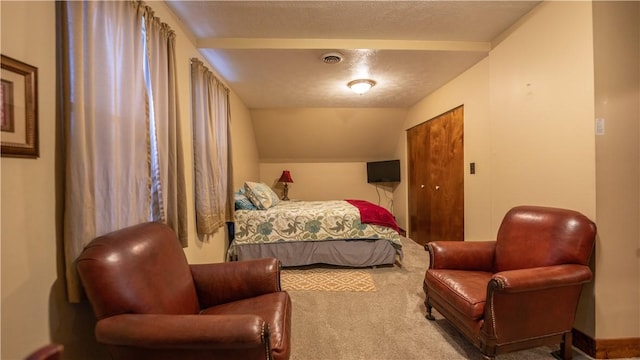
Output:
[[260, 195]]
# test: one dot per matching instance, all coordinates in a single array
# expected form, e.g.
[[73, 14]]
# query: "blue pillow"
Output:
[[243, 202]]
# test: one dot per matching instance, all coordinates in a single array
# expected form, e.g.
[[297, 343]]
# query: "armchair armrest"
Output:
[[534, 279], [183, 331], [547, 295], [461, 255], [226, 282]]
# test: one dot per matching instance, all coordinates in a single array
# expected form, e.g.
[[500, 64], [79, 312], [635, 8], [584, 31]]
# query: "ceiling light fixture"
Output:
[[361, 86]]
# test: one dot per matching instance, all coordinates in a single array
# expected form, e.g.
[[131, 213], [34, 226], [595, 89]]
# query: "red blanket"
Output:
[[374, 214]]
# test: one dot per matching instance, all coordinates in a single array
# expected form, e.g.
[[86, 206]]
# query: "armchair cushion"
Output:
[[465, 291]]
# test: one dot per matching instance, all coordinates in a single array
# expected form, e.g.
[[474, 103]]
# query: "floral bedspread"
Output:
[[307, 221]]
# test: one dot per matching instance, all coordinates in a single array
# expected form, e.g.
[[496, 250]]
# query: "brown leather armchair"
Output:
[[520, 291], [151, 304]]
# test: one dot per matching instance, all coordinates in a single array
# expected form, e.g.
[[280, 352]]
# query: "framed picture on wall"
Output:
[[18, 109]]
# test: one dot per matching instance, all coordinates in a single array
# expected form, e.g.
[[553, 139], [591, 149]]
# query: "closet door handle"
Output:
[[437, 187]]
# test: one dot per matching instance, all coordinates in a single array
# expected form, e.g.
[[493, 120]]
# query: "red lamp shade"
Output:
[[286, 177]]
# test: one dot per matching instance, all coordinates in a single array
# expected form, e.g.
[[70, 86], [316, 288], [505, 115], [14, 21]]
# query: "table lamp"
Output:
[[286, 179]]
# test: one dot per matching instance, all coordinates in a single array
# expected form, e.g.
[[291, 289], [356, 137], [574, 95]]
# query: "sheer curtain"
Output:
[[169, 203], [213, 173], [111, 130]]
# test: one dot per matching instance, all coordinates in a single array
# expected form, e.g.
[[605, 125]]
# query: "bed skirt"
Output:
[[352, 253]]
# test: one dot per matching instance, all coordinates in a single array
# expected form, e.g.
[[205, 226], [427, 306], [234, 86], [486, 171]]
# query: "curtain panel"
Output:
[[212, 167], [169, 198], [112, 133]]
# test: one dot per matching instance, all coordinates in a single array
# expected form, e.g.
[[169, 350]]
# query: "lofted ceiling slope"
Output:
[[269, 53]]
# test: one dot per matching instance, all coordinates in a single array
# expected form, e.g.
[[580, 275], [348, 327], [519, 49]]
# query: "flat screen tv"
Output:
[[383, 171]]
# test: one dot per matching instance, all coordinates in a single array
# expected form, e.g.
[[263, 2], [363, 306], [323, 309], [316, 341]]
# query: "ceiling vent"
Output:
[[332, 58]]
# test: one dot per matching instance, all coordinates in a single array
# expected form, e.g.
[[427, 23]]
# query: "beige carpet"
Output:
[[386, 324], [320, 279]]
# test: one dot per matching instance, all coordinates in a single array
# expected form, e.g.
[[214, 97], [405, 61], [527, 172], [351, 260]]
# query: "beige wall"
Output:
[[245, 151], [541, 98], [34, 308], [28, 229], [528, 111], [617, 101], [328, 181], [327, 134]]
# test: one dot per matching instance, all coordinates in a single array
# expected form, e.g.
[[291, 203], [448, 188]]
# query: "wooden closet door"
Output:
[[436, 178], [417, 148]]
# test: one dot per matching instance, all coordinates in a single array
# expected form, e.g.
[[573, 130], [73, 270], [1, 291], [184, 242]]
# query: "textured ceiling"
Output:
[[269, 52]]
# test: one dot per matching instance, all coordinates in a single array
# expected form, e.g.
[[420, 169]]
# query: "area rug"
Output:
[[327, 280]]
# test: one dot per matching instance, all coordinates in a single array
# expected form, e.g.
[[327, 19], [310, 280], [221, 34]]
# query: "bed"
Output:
[[353, 233]]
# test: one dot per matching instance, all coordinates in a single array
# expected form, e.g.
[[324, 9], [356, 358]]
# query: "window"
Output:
[[122, 131]]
